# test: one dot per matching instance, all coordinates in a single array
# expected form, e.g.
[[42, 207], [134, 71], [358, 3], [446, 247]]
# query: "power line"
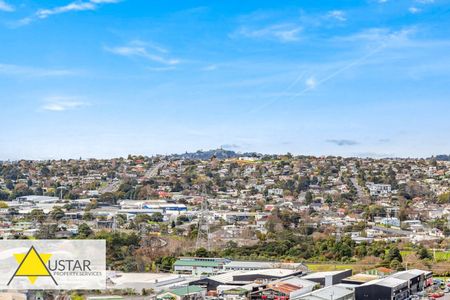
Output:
[[203, 235]]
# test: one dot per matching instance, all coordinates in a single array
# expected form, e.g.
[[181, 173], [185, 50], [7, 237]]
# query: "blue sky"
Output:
[[105, 78]]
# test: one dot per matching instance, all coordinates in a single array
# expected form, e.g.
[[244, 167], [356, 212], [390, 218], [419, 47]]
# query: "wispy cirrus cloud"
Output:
[[379, 36], [6, 7], [284, 32], [74, 6], [144, 50], [342, 142], [62, 103], [285, 26], [26, 71], [79, 5]]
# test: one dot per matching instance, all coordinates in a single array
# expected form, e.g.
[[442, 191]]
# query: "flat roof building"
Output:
[[388, 288], [241, 278], [328, 278], [327, 293]]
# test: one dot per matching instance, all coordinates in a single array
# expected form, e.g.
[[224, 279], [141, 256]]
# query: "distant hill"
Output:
[[218, 153], [441, 157]]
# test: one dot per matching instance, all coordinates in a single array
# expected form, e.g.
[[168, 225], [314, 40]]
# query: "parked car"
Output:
[[436, 295]]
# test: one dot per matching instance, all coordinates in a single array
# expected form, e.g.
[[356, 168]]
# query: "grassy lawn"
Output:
[[440, 255]]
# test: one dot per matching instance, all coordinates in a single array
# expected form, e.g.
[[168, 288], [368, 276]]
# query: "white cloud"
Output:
[[379, 36], [104, 1], [16, 70], [414, 10], [311, 83], [5, 6], [22, 22], [143, 50], [338, 15], [72, 6], [58, 104], [280, 32]]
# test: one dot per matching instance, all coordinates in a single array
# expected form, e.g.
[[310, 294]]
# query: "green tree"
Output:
[[84, 231], [4, 195], [394, 254], [308, 198], [396, 265], [9, 185], [87, 216], [142, 219], [37, 215], [423, 253], [108, 197], [201, 252], [57, 214], [157, 217], [45, 171]]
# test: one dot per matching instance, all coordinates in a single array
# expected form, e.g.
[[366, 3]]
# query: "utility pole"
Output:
[[114, 224], [61, 188], [338, 234], [203, 226]]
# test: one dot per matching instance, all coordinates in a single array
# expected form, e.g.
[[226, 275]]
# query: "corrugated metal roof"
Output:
[[186, 290], [196, 263], [285, 288]]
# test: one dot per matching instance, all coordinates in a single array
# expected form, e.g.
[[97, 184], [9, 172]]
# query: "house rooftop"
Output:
[[285, 288], [261, 264], [186, 290]]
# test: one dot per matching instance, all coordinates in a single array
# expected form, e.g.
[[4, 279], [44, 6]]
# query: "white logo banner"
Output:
[[53, 264]]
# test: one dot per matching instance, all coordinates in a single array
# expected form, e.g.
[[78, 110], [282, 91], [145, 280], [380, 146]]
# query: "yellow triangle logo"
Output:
[[32, 265]]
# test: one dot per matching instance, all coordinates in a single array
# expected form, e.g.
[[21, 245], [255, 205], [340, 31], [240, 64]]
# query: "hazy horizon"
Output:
[[212, 149]]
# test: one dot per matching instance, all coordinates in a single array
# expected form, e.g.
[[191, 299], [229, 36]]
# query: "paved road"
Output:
[[393, 231], [359, 190], [111, 187], [153, 171]]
